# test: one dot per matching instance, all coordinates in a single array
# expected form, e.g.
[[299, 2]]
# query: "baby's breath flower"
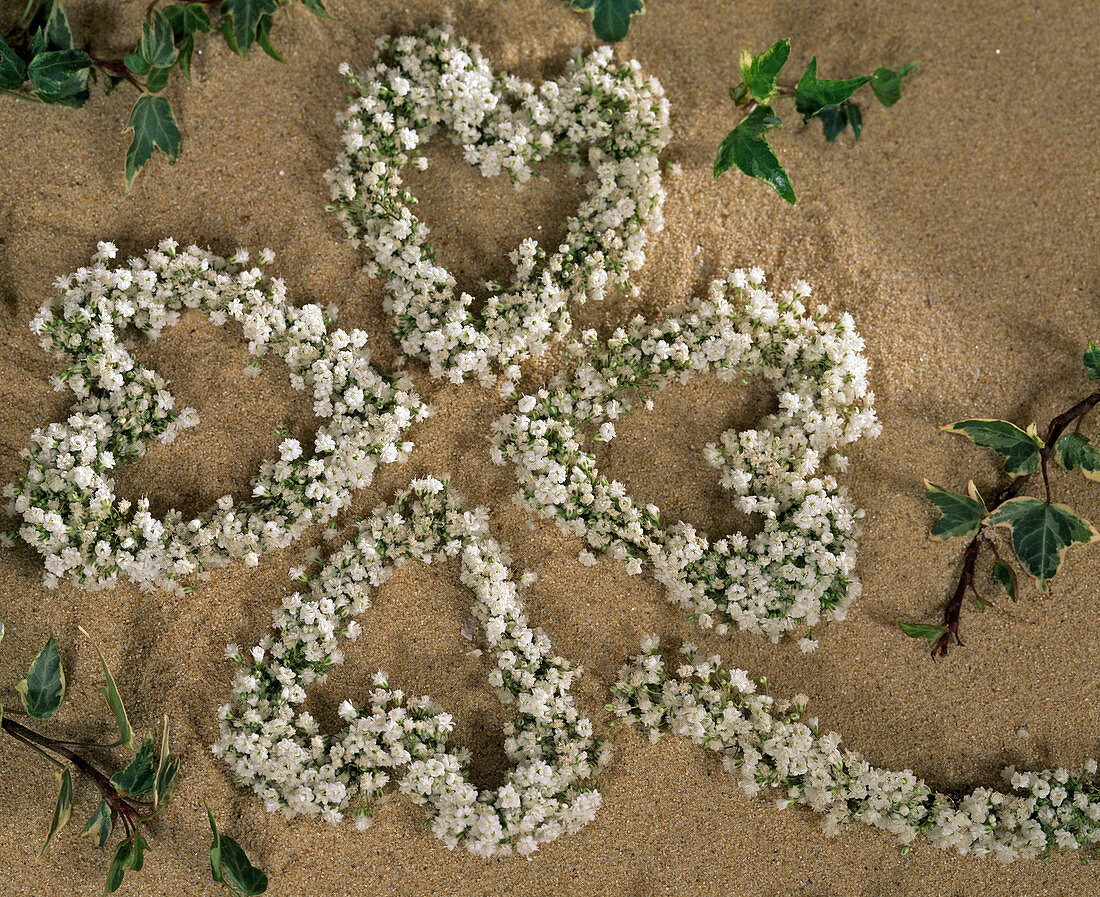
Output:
[[800, 569], [601, 113], [772, 748], [67, 500], [281, 754]]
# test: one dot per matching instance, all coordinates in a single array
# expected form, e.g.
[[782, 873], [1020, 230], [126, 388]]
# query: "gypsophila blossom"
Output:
[[603, 114], [278, 751], [67, 500], [799, 569], [773, 751]]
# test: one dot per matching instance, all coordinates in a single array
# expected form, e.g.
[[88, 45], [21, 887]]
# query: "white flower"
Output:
[[431, 81], [800, 571], [98, 539], [774, 750], [320, 774]]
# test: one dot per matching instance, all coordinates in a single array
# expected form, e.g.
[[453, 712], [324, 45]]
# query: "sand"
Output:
[[961, 233]]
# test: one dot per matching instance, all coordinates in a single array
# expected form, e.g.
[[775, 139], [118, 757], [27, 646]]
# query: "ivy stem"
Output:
[[116, 68], [129, 815], [952, 611]]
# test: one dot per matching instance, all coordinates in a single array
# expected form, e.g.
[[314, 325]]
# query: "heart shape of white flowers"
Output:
[[771, 746], [280, 754], [67, 499], [799, 569], [601, 113]]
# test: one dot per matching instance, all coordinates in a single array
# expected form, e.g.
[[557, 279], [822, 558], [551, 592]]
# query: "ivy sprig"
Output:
[[1039, 531], [827, 99], [40, 63], [132, 797]]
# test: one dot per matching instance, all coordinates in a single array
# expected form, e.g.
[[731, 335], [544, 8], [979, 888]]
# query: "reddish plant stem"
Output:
[[130, 816], [952, 612]]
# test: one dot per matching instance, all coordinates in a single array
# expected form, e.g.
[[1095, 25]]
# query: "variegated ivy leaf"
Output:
[[62, 809], [114, 699], [1019, 447], [140, 776], [1074, 450], [154, 127], [100, 824], [961, 515], [167, 769], [43, 689], [760, 73], [1041, 533], [747, 148], [51, 18], [246, 16]]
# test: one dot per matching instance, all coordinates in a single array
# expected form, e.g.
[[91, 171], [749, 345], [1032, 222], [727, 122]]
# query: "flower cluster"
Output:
[[601, 113], [769, 746], [67, 499], [799, 569], [280, 753]]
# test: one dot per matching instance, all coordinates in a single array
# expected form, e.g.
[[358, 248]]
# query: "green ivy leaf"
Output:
[[154, 126], [1074, 450], [225, 26], [158, 45], [124, 854], [746, 147], [812, 94], [50, 17], [1092, 360], [186, 48], [100, 824], [43, 689], [886, 83], [215, 847], [246, 15], [61, 76], [129, 855], [1041, 533], [37, 43], [186, 20], [140, 847], [1020, 448], [1006, 577], [961, 515], [140, 776], [13, 71], [62, 809], [834, 119], [611, 18], [113, 698], [855, 119], [761, 72], [317, 8], [263, 38], [922, 630], [238, 871]]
